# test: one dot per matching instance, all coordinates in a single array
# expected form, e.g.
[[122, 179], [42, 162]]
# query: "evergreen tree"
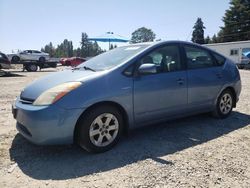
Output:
[[236, 22], [207, 40], [89, 49], [214, 39], [77, 52], [198, 33], [49, 48], [66, 49], [85, 45], [142, 35]]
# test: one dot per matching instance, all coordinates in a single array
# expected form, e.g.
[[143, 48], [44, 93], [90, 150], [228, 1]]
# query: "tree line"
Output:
[[66, 49], [236, 28], [236, 25]]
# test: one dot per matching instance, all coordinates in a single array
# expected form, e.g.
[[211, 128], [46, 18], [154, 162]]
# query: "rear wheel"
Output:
[[31, 68], [100, 129], [42, 59], [240, 67], [15, 59], [224, 104]]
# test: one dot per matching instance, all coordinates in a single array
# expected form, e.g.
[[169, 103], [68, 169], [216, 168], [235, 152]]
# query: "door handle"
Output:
[[180, 81]]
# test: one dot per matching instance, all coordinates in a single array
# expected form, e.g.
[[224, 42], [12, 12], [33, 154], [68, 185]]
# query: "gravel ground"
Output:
[[198, 151]]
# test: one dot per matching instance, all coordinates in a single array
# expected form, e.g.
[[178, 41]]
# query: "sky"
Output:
[[31, 24]]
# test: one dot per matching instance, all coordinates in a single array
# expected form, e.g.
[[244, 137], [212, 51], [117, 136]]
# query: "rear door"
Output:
[[26, 55], [204, 77], [164, 93], [36, 55]]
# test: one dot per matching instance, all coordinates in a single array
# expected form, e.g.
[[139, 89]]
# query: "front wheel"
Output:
[[100, 129], [224, 104]]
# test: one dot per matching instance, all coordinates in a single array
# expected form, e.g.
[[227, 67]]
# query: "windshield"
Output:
[[112, 58]]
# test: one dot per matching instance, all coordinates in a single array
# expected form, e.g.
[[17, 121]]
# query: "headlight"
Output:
[[54, 94]]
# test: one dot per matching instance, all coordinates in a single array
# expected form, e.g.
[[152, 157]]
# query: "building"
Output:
[[236, 51]]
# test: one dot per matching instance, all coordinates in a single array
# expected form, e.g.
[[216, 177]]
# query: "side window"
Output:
[[219, 59], [198, 58], [166, 59], [234, 52]]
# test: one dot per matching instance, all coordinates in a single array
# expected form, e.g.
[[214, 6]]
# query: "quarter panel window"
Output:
[[198, 58], [219, 59]]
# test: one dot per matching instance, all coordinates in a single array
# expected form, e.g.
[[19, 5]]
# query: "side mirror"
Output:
[[147, 68]]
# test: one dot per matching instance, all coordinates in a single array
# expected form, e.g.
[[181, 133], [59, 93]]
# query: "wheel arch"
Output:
[[119, 107], [234, 94], [15, 56], [230, 88]]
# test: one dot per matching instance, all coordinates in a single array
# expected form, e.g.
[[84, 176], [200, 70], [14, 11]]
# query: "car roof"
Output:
[[159, 43], [165, 42]]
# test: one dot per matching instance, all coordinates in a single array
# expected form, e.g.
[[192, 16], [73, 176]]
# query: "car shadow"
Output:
[[66, 162], [10, 74], [42, 70]]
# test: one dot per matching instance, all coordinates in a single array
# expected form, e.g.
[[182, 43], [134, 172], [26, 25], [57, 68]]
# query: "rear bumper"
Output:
[[45, 125]]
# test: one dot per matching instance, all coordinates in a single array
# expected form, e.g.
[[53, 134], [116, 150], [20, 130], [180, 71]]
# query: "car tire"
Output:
[[42, 59], [224, 105], [31, 68], [240, 67], [100, 129], [15, 59]]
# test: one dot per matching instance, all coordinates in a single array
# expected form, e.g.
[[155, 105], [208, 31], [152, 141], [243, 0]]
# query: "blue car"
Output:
[[96, 102]]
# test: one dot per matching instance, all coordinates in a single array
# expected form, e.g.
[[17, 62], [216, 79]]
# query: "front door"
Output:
[[164, 93]]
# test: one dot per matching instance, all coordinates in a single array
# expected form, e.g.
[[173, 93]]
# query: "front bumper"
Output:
[[45, 125]]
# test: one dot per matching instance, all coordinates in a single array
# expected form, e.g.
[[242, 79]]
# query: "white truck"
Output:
[[236, 51]]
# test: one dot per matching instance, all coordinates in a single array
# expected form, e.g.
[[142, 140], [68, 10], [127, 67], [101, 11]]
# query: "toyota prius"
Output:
[[94, 103]]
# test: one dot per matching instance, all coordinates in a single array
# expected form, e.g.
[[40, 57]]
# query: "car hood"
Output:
[[36, 88]]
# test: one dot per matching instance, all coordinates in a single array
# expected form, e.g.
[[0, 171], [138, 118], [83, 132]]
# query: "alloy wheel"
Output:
[[103, 130], [226, 103]]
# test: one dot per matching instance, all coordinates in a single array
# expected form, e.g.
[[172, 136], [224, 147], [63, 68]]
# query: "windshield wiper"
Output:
[[85, 68], [75, 68], [88, 68]]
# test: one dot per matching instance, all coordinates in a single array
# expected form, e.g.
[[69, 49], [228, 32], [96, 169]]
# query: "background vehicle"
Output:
[[72, 61], [33, 66], [233, 50], [124, 88], [4, 61], [29, 55], [245, 60]]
